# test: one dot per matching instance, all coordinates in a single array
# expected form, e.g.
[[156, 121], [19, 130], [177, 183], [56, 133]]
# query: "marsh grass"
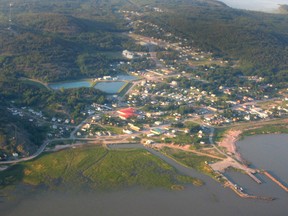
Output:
[[95, 168]]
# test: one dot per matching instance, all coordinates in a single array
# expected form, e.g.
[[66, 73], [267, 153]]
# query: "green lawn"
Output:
[[219, 134], [267, 129], [95, 168], [191, 160], [115, 130]]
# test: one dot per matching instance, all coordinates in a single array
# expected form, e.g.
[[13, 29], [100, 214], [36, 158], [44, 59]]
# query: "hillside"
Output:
[[49, 48], [58, 41], [257, 41], [47, 45], [18, 136], [53, 41]]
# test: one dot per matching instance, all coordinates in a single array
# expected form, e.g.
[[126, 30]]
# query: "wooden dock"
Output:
[[245, 195], [240, 192], [276, 181], [254, 177]]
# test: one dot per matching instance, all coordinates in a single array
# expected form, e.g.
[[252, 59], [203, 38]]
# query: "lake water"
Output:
[[107, 87], [110, 87], [269, 152], [256, 5], [210, 199], [71, 84]]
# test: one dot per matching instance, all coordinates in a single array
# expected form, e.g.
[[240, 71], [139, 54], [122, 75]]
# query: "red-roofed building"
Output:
[[127, 113]]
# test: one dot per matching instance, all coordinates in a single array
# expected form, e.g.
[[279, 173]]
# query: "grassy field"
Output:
[[191, 160], [61, 142], [95, 168], [266, 129], [115, 130], [219, 134]]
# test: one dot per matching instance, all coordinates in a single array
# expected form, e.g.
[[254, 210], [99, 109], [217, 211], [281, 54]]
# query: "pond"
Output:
[[71, 84], [110, 87]]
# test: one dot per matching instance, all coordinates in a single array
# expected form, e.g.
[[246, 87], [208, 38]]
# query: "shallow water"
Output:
[[210, 199], [110, 87], [267, 152]]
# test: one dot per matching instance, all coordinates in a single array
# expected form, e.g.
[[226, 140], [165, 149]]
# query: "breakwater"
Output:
[[275, 180]]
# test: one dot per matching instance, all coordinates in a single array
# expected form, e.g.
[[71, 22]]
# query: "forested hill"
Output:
[[58, 40], [50, 41], [258, 40]]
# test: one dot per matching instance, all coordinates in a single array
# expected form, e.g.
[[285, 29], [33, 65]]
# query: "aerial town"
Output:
[[133, 98], [174, 102]]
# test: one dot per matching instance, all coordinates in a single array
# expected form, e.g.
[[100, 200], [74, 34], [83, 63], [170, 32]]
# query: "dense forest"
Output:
[[51, 46]]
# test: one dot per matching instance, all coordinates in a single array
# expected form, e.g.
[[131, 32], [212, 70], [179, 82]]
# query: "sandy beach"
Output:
[[229, 142]]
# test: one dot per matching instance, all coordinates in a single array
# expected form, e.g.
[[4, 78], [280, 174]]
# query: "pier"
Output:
[[245, 195], [254, 177], [276, 181], [239, 191]]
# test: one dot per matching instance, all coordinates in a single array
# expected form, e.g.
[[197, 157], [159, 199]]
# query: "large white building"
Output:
[[128, 54]]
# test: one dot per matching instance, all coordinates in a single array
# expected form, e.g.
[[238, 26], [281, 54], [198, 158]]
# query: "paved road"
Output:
[[36, 154]]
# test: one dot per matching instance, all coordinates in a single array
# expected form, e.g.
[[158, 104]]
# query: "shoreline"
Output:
[[234, 134], [229, 142]]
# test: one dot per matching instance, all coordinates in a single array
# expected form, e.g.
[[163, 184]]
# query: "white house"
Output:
[[128, 54]]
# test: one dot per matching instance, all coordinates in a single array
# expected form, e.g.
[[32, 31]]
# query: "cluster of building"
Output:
[[127, 113], [30, 113]]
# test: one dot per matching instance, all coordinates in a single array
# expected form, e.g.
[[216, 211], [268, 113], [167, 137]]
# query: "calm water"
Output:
[[110, 87], [269, 152], [72, 84], [211, 199], [256, 5]]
